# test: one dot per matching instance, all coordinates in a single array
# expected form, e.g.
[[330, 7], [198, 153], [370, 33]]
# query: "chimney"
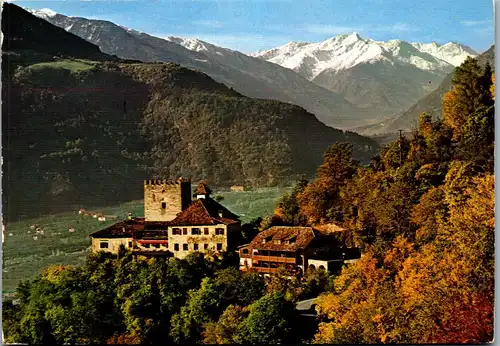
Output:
[[220, 213]]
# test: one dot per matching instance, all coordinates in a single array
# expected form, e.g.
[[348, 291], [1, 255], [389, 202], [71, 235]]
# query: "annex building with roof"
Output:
[[174, 224], [298, 249]]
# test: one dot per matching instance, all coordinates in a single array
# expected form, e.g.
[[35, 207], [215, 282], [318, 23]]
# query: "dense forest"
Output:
[[83, 127], [422, 213]]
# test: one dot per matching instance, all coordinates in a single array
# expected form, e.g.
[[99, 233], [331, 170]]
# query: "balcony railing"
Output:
[[264, 270], [275, 259]]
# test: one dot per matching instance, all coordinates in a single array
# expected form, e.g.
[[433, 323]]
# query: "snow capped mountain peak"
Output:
[[130, 30], [287, 49], [451, 52], [44, 13], [346, 51], [193, 44], [354, 36]]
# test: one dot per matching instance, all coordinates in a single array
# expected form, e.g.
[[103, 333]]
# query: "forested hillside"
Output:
[[88, 128], [423, 213]]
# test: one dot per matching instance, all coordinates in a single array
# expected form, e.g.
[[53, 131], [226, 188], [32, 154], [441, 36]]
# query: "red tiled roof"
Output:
[[121, 229], [204, 211], [200, 212], [292, 238]]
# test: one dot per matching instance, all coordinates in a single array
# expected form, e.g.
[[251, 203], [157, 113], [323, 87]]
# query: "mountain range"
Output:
[[247, 75], [347, 81], [385, 78]]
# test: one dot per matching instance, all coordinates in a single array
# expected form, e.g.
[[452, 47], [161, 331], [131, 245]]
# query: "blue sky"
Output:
[[251, 25]]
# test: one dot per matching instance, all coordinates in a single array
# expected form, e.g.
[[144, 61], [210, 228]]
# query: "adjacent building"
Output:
[[111, 238], [296, 249], [174, 224]]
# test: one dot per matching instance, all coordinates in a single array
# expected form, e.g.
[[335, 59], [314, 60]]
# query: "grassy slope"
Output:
[[72, 65], [24, 258]]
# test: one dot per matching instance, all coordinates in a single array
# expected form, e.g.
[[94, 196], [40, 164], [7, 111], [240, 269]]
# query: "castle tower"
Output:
[[163, 199]]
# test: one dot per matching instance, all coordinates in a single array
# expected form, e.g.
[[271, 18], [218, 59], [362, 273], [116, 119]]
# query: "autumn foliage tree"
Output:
[[427, 231]]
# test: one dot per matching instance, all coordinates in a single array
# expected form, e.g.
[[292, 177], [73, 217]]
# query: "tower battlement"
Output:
[[164, 199], [166, 182]]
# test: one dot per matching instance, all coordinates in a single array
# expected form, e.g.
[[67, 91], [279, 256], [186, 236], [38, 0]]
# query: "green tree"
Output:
[[206, 304], [471, 91], [320, 200], [271, 320], [227, 329], [287, 208]]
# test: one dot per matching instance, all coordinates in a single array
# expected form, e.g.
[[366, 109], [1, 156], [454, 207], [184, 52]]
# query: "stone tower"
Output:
[[163, 199]]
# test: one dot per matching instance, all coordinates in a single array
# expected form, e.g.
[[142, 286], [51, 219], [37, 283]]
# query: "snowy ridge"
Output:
[[453, 53], [190, 43], [43, 13], [346, 51]]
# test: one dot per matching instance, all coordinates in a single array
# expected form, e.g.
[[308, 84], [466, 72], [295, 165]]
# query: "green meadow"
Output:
[[24, 257], [72, 65]]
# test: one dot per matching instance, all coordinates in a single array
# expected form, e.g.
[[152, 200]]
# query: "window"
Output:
[[176, 247], [185, 247], [219, 231], [219, 246], [245, 251], [146, 246], [195, 247], [185, 231], [176, 231], [129, 244], [205, 246], [164, 245], [104, 245], [164, 205], [206, 231], [157, 246], [195, 231]]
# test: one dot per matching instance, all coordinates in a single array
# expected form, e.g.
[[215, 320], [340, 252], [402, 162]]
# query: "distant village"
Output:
[[177, 223]]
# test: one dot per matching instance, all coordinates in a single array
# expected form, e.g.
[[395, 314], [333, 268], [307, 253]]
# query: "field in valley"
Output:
[[24, 257]]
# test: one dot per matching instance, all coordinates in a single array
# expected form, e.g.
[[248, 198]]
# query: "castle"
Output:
[[174, 224]]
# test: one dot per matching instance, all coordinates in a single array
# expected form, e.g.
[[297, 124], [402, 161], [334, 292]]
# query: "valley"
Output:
[[24, 257]]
